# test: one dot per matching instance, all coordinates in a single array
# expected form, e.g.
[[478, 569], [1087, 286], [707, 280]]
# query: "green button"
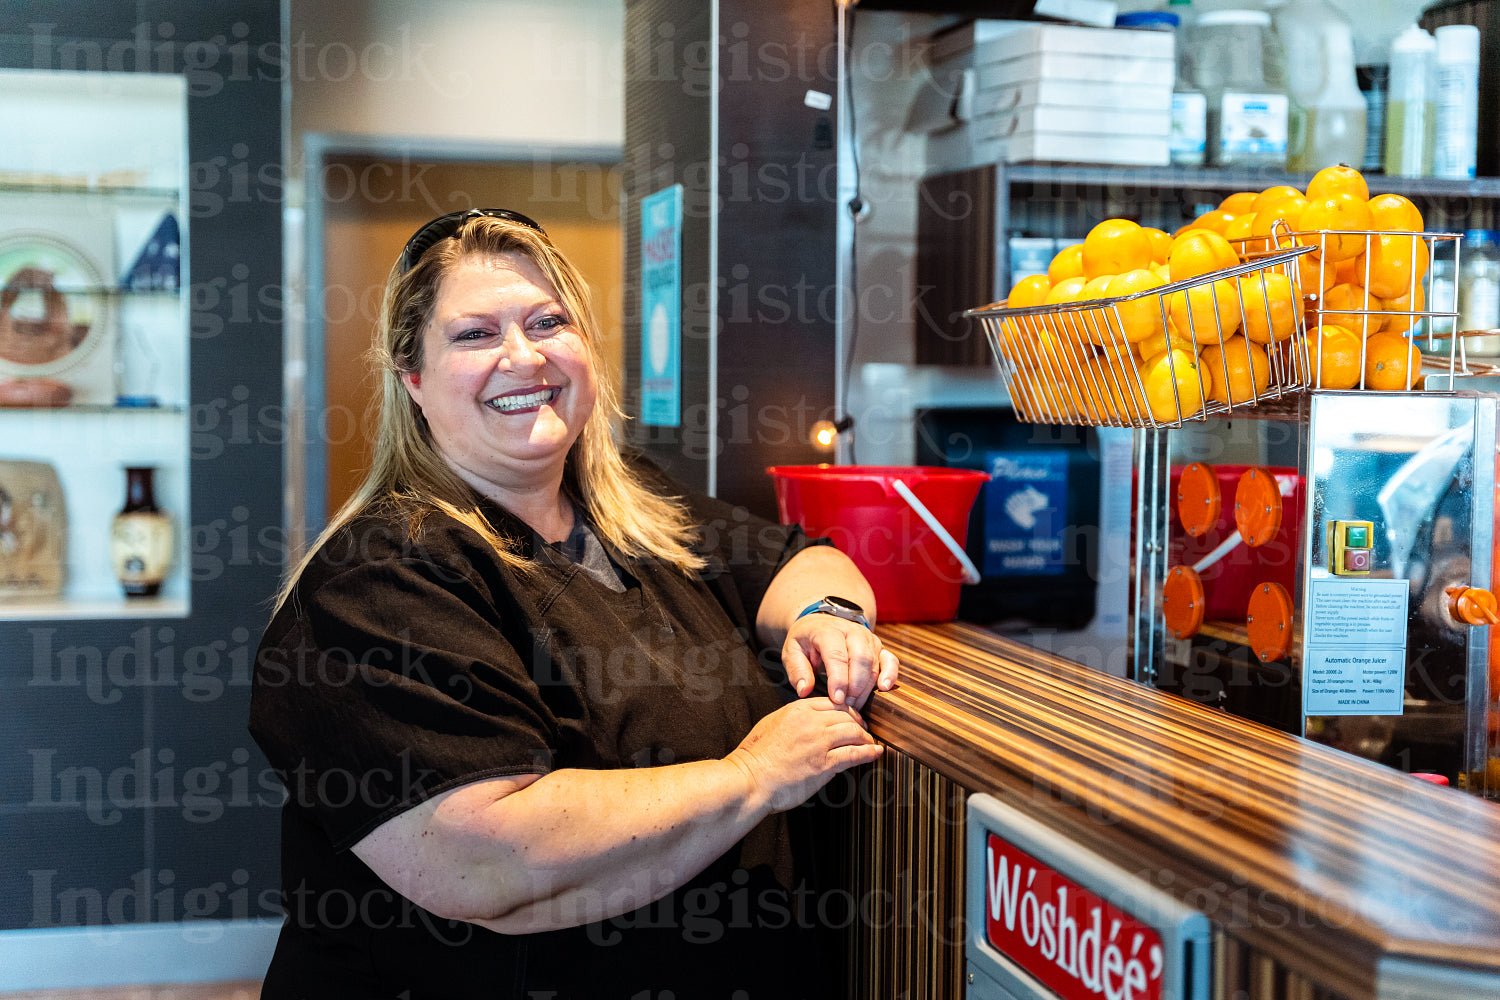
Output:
[[1357, 536]]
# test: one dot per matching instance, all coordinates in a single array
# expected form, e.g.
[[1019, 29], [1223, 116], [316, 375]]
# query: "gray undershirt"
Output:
[[583, 549]]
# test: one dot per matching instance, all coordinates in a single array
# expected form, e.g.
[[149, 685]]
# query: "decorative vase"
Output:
[[141, 543]]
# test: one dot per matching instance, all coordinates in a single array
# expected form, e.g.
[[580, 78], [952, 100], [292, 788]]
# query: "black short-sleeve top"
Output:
[[411, 659]]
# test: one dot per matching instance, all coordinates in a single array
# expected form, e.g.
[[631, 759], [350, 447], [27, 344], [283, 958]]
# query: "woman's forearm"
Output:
[[528, 854], [813, 573], [578, 846]]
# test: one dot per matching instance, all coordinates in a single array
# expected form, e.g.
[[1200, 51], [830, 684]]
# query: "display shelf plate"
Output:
[[104, 608]]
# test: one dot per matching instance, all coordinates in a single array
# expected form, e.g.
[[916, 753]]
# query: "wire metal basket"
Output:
[[1134, 360], [1371, 282]]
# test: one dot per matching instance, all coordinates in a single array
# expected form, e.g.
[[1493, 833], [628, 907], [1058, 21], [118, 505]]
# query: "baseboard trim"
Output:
[[194, 951]]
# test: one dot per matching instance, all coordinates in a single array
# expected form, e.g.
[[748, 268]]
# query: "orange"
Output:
[[1029, 291], [1100, 386], [1335, 212], [1314, 275], [1351, 271], [1391, 362], [1066, 263], [1335, 357], [1162, 271], [1347, 306], [1285, 210], [1238, 372], [1239, 229], [1207, 313], [1093, 288], [1066, 290], [1397, 262], [1338, 179], [1031, 342], [1393, 212], [1161, 244], [1217, 220], [1022, 338], [1396, 322], [1264, 200], [1085, 397], [1052, 331], [1200, 252], [1131, 398], [1173, 391], [1240, 203], [1154, 346], [1115, 246], [1097, 326], [1139, 318], [1270, 306], [1026, 396], [1039, 396], [1056, 396]]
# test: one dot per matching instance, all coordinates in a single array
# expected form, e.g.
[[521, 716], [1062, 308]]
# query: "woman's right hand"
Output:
[[798, 748]]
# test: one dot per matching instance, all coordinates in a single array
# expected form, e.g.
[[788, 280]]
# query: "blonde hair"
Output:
[[406, 466]]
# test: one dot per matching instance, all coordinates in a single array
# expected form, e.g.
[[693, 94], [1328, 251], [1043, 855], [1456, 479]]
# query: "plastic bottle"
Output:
[[1326, 123], [1409, 114], [1238, 64], [1479, 291], [1443, 296], [1185, 142], [1457, 76], [1375, 83], [1189, 140], [1336, 120]]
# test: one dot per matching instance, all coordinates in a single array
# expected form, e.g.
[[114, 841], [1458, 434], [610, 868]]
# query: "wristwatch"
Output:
[[839, 607]]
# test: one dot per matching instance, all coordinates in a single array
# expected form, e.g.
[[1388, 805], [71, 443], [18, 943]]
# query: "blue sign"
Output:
[[1025, 513], [661, 307]]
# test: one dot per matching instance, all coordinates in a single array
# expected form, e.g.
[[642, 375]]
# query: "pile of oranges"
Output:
[[1361, 284], [1218, 341], [1163, 355]]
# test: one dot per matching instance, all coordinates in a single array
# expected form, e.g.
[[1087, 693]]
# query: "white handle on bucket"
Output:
[[971, 573]]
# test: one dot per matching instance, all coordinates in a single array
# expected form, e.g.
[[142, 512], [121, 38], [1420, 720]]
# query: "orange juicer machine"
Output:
[[1316, 559], [1327, 570]]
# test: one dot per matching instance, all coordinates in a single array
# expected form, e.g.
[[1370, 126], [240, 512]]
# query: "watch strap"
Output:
[[823, 606]]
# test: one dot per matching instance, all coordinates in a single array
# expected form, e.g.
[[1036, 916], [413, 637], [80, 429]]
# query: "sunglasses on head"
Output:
[[445, 226]]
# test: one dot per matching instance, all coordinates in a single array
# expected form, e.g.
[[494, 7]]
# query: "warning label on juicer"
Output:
[[1355, 662]]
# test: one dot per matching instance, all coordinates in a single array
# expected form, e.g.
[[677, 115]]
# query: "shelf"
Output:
[[77, 610], [1237, 632], [174, 408], [90, 191], [114, 291], [1226, 631], [1208, 179]]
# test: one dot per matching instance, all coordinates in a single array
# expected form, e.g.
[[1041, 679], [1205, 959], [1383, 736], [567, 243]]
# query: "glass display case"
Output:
[[94, 341]]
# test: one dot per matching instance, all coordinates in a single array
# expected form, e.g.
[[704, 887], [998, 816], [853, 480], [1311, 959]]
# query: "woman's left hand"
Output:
[[849, 655]]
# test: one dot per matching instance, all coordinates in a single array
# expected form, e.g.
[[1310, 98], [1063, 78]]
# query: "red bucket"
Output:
[[914, 575]]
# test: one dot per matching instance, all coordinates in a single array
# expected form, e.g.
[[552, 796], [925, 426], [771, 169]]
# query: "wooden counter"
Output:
[[1336, 868]]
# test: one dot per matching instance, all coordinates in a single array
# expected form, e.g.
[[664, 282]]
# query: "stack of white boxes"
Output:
[[1051, 93]]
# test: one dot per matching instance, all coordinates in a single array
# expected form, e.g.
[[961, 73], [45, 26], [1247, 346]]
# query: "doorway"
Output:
[[364, 201]]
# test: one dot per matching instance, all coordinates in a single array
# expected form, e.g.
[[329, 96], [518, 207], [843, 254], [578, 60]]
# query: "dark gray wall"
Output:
[[775, 159], [129, 788]]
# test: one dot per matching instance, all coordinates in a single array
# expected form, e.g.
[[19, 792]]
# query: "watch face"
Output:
[[845, 604]]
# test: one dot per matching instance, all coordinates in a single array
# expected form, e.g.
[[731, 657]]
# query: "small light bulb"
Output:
[[824, 434]]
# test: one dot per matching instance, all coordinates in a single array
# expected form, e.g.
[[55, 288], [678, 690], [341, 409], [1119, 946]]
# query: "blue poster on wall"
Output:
[[661, 307], [1025, 513]]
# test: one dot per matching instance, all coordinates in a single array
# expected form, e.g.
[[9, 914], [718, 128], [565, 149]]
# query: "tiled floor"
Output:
[[245, 990]]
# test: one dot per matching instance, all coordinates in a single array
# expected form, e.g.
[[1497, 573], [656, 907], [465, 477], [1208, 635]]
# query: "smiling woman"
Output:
[[506, 386], [541, 711]]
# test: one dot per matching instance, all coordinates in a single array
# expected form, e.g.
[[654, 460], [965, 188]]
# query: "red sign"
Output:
[[1075, 943]]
